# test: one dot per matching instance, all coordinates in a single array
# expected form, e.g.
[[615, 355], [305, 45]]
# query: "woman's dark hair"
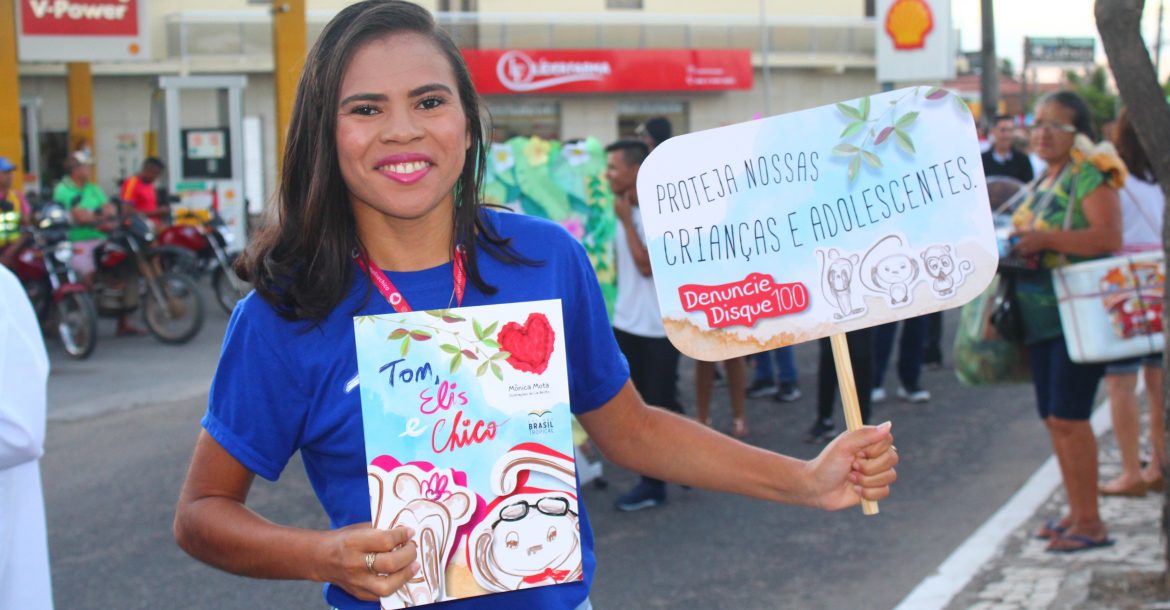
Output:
[[300, 260], [1082, 118], [1129, 148]]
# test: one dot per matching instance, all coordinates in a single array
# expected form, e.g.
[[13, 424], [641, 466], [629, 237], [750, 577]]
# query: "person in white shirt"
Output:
[[637, 323], [1142, 204], [24, 372]]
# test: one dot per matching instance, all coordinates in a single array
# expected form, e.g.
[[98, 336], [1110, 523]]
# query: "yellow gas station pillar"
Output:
[[79, 86], [10, 143], [289, 34]]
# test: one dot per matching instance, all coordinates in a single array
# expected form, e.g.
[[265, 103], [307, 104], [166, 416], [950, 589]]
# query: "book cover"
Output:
[[468, 440]]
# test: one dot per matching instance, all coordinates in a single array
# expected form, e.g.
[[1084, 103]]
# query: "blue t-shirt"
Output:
[[283, 387]]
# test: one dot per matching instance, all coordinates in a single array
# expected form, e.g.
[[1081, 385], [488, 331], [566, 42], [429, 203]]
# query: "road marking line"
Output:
[[938, 589]]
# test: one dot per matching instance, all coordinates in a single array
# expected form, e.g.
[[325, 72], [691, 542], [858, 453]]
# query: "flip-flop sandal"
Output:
[[1085, 543], [1050, 530]]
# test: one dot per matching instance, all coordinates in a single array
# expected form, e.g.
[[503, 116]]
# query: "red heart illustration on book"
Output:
[[531, 345]]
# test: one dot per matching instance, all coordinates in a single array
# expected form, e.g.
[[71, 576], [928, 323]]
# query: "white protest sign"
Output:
[[810, 224]]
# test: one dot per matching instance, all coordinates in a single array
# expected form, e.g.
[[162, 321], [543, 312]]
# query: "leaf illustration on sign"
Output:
[[879, 130], [457, 345]]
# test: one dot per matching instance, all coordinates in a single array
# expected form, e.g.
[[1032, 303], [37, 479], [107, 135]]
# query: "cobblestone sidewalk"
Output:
[[1022, 576]]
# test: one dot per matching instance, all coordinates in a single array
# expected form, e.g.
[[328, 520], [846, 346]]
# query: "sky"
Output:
[[1015, 19]]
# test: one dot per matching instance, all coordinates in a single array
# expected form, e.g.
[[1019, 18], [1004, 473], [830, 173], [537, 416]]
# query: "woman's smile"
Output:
[[405, 168]]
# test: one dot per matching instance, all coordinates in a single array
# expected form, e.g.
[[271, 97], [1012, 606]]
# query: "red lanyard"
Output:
[[391, 292]]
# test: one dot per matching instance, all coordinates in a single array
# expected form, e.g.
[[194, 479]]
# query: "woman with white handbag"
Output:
[[1142, 206], [1072, 213]]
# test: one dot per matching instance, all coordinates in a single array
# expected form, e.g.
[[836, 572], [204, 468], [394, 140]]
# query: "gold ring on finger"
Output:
[[370, 557]]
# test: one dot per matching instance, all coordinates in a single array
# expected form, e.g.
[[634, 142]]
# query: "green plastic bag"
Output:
[[981, 356]]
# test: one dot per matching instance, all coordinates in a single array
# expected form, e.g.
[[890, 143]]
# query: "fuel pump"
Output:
[[202, 143]]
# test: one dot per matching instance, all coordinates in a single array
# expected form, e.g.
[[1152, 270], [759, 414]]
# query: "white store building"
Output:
[[814, 53]]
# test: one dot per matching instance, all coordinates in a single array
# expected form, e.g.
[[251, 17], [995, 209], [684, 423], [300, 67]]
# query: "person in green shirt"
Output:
[[82, 197], [87, 204]]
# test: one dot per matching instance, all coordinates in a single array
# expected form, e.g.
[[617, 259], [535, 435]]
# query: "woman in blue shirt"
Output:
[[384, 155]]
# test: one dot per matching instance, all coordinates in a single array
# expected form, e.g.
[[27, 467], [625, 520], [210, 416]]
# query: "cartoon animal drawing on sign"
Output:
[[887, 269], [837, 273], [947, 273]]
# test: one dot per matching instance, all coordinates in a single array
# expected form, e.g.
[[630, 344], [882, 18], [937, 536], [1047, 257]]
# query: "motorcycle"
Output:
[[126, 274], [60, 299], [209, 242]]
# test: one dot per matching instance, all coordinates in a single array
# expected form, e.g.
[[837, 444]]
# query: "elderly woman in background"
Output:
[[1072, 187]]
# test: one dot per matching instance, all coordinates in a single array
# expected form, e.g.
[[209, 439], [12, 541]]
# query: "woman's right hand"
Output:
[[622, 209], [394, 561], [1027, 243]]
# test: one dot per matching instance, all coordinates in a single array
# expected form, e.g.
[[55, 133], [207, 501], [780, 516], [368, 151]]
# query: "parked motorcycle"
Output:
[[208, 240], [127, 276], [60, 299]]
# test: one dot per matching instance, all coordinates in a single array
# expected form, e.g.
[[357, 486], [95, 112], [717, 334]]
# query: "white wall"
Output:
[[259, 101], [790, 90], [584, 116]]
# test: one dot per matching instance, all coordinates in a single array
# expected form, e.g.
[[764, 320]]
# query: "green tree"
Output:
[[1095, 90]]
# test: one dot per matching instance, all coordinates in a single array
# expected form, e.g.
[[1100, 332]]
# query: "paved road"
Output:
[[122, 427], [131, 372]]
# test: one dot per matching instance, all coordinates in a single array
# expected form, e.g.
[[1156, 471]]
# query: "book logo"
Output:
[[541, 422]]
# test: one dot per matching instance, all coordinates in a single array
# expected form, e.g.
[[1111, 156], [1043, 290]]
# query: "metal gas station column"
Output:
[[205, 163]]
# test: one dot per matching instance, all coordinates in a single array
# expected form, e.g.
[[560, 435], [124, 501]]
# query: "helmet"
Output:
[[53, 215]]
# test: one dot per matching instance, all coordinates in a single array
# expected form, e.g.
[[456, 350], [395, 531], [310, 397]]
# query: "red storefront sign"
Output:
[[518, 71], [79, 17]]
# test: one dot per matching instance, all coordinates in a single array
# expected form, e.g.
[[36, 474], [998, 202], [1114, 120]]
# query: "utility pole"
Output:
[[288, 54], [11, 145], [989, 83]]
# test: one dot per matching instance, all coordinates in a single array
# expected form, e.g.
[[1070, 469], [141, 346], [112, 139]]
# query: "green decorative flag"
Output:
[[564, 183]]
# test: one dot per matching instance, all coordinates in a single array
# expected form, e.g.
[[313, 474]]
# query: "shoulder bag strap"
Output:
[[1073, 200], [1046, 201], [1141, 211], [1019, 196]]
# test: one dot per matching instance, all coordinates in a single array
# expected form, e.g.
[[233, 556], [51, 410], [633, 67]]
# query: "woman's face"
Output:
[[401, 131], [1053, 133]]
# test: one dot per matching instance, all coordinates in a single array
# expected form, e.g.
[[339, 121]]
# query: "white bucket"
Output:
[[1111, 308]]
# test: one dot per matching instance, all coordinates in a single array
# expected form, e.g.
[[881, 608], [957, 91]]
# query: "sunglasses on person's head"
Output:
[[553, 507], [1054, 127]]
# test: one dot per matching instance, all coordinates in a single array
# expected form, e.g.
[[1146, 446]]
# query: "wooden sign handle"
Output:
[[849, 398]]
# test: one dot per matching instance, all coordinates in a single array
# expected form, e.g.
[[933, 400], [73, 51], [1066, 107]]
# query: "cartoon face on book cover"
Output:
[[469, 443]]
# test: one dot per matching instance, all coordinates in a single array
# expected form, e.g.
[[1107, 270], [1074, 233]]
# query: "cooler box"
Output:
[[1111, 308]]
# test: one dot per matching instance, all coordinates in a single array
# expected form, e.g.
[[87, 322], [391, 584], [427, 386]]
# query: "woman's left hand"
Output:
[[1031, 242], [858, 464]]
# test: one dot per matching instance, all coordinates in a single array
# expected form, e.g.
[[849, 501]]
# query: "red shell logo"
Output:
[[908, 22], [530, 345]]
